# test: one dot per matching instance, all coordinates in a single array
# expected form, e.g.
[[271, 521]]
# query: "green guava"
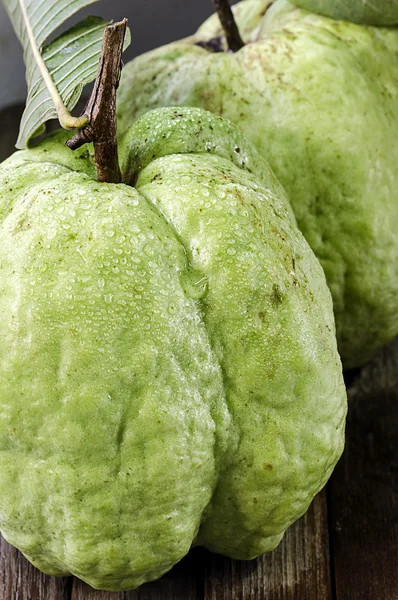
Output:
[[168, 365], [319, 99], [367, 12]]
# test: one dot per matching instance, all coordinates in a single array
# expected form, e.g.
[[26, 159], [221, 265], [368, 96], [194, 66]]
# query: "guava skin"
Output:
[[168, 365], [319, 100], [365, 12]]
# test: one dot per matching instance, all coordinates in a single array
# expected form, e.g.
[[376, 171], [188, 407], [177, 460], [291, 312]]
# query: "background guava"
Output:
[[319, 100], [367, 12]]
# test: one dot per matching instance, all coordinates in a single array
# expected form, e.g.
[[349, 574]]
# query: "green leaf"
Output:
[[57, 73], [72, 62]]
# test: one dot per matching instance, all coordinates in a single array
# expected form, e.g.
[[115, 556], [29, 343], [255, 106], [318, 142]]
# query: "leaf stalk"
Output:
[[66, 120]]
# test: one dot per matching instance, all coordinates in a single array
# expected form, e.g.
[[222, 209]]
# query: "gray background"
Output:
[[152, 23]]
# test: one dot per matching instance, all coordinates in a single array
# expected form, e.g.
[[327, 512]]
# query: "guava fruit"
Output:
[[168, 365], [319, 99], [367, 12]]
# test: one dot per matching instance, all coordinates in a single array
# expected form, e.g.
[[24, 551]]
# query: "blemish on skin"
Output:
[[293, 274], [276, 296], [268, 467]]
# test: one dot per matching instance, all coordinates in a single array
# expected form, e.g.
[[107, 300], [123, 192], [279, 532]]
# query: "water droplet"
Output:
[[171, 308]]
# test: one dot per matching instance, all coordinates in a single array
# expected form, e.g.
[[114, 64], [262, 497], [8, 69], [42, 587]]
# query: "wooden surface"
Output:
[[344, 548]]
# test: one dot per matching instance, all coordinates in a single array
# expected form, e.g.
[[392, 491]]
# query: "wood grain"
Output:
[[19, 580], [363, 492], [297, 569]]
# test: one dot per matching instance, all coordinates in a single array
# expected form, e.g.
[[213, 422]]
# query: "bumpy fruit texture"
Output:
[[319, 99], [366, 12], [168, 364]]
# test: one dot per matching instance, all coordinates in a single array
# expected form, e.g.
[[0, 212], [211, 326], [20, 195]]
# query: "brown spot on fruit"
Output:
[[276, 295]]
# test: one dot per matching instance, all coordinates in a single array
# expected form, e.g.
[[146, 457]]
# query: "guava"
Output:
[[168, 366], [370, 12], [319, 99]]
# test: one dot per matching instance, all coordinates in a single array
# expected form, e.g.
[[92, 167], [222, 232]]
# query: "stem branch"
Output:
[[229, 25], [101, 107]]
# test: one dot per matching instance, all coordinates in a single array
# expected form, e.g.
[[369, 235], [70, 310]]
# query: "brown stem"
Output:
[[229, 25], [101, 107]]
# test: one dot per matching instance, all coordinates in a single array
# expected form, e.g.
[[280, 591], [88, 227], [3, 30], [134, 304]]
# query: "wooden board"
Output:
[[344, 548], [363, 493]]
